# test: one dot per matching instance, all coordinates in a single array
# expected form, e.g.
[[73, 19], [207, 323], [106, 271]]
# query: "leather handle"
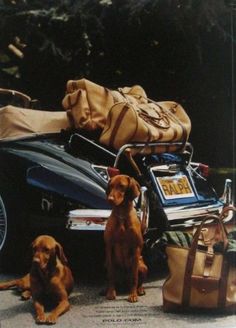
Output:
[[192, 255], [226, 210], [198, 231], [166, 116]]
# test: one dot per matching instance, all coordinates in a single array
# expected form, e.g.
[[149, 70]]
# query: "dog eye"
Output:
[[46, 250], [122, 187]]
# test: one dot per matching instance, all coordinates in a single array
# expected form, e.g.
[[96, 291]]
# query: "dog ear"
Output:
[[31, 248], [60, 254], [108, 189], [133, 189]]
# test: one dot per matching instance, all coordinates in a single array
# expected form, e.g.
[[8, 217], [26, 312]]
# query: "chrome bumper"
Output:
[[178, 216], [88, 219], [95, 220], [186, 216]]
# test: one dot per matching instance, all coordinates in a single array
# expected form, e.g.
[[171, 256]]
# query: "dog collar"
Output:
[[121, 218]]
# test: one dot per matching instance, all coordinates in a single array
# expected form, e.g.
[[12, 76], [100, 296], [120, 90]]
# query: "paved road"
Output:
[[89, 309]]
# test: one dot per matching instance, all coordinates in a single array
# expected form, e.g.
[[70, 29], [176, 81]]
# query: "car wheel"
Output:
[[153, 253], [157, 217], [3, 225], [150, 210], [13, 238]]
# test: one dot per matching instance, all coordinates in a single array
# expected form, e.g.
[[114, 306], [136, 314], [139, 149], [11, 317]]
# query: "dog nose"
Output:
[[36, 259], [110, 198]]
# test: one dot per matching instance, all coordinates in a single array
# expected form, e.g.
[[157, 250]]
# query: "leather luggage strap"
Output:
[[72, 104], [117, 125], [190, 264], [223, 284], [165, 117]]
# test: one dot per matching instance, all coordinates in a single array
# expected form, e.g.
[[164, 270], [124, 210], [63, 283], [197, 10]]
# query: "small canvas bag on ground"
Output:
[[164, 121], [200, 278]]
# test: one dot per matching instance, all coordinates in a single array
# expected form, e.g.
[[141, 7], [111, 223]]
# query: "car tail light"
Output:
[[204, 170], [112, 171]]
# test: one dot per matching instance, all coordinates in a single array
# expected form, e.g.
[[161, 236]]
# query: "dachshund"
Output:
[[49, 281], [123, 238]]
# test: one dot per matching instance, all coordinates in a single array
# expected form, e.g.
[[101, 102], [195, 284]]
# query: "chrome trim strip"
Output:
[[96, 213], [102, 167], [73, 225], [185, 212], [87, 219], [227, 196]]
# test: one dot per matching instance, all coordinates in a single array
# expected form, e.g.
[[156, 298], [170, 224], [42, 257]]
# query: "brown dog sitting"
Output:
[[49, 280], [123, 237]]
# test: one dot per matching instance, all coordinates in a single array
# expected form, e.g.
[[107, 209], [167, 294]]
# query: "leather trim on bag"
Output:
[[70, 104], [205, 285], [118, 123], [223, 284], [191, 259]]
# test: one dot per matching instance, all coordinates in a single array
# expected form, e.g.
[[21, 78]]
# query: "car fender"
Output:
[[73, 185]]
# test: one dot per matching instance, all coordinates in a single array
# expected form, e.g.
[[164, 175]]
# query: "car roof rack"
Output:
[[137, 146]]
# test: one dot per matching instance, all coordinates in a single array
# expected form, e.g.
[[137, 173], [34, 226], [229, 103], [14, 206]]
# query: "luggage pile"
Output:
[[125, 115]]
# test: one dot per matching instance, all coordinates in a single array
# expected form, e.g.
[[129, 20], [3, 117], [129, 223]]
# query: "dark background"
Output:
[[177, 50]]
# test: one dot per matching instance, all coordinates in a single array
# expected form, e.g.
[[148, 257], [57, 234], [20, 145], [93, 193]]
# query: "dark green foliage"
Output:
[[178, 50]]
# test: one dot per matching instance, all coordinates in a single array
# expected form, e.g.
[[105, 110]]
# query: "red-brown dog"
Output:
[[49, 280], [123, 237]]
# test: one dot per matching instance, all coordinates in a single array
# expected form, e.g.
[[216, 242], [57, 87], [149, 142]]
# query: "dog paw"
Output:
[[40, 319], [51, 319], [111, 294], [133, 298], [141, 291], [26, 295]]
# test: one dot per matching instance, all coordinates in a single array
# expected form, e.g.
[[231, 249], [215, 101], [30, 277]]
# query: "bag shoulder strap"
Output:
[[191, 259]]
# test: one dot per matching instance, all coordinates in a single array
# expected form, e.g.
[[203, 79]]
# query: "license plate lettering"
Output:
[[177, 187]]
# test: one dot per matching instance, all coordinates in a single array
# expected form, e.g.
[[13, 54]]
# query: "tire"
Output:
[[3, 226], [13, 236], [156, 224], [157, 221], [157, 217]]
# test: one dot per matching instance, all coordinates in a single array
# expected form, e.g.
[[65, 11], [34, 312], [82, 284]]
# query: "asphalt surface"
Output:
[[90, 309]]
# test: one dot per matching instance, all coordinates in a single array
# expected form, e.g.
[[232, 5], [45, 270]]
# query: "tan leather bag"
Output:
[[200, 278], [133, 95], [146, 122], [87, 103]]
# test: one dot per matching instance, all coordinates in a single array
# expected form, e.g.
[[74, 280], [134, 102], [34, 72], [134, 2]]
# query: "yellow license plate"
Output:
[[175, 187]]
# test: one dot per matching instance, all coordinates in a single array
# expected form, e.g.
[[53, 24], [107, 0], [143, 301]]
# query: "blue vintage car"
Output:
[[54, 179]]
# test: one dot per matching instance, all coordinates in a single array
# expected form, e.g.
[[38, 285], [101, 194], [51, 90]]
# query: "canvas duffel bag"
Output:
[[87, 103], [17, 122], [202, 278], [164, 121]]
